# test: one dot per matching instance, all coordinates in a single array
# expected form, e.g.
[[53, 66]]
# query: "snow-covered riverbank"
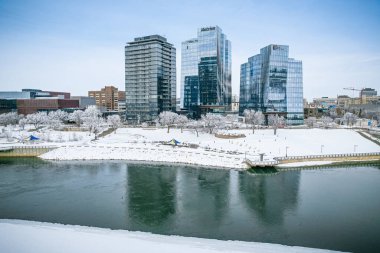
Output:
[[142, 145], [28, 236]]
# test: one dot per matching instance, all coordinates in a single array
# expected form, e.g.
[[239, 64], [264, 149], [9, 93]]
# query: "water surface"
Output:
[[331, 208]]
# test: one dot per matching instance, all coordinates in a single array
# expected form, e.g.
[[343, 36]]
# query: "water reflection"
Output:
[[151, 194], [270, 196]]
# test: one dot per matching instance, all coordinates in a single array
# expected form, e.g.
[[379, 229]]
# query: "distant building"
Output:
[[271, 82], [150, 78], [8, 105], [368, 92], [108, 98], [325, 102], [30, 101], [28, 106], [15, 95], [84, 101], [206, 72]]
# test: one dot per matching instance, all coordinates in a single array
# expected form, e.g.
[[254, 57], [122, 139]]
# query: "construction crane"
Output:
[[353, 90]]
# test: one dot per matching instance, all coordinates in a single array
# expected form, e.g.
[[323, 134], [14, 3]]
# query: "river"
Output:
[[331, 208]]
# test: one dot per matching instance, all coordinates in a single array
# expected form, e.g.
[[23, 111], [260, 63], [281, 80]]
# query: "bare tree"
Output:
[[77, 117], [22, 122], [181, 121], [59, 115], [275, 121], [333, 113], [258, 119], [56, 118], [195, 124], [326, 121], [167, 118], [349, 118], [37, 119], [310, 122], [93, 120], [211, 121], [249, 116], [10, 118], [114, 121]]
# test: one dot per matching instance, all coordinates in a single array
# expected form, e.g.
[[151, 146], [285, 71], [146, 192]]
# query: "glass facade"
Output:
[[271, 82], [208, 57], [150, 78]]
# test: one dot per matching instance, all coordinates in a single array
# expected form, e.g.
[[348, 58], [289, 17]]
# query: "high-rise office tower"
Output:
[[271, 82], [150, 78], [206, 72]]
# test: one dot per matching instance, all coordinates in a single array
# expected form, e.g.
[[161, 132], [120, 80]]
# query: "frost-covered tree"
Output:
[[275, 121], [249, 115], [231, 120], [258, 119], [310, 122], [195, 124], [333, 113], [56, 118], [326, 121], [22, 123], [77, 117], [37, 119], [254, 118], [114, 121], [60, 115], [211, 121], [167, 118], [10, 118], [93, 120], [349, 118], [181, 121]]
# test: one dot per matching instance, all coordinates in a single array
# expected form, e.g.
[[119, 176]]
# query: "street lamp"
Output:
[[286, 151], [355, 146], [322, 146]]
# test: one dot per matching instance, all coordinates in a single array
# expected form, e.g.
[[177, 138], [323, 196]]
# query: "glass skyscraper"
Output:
[[206, 72], [150, 78], [271, 82]]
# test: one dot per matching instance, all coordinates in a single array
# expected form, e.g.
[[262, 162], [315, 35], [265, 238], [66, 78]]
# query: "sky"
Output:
[[77, 46]]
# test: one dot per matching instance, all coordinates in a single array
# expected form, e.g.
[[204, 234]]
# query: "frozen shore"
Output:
[[137, 144], [28, 236]]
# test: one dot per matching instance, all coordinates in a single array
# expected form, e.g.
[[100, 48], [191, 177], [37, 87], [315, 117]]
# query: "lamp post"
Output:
[[286, 151], [322, 146]]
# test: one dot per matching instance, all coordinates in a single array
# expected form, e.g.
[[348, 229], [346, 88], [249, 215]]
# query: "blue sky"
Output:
[[78, 46]]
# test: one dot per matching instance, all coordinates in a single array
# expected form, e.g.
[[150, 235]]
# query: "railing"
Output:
[[326, 156]]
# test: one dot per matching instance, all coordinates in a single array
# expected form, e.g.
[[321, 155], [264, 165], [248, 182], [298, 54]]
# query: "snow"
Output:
[[48, 137], [143, 145], [28, 236]]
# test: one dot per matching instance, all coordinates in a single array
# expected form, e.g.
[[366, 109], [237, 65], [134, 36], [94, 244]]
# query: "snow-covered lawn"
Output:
[[27, 236], [47, 137], [298, 141], [143, 145]]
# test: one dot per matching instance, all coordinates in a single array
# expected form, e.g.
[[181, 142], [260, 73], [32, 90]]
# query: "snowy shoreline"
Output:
[[31, 236], [138, 144]]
